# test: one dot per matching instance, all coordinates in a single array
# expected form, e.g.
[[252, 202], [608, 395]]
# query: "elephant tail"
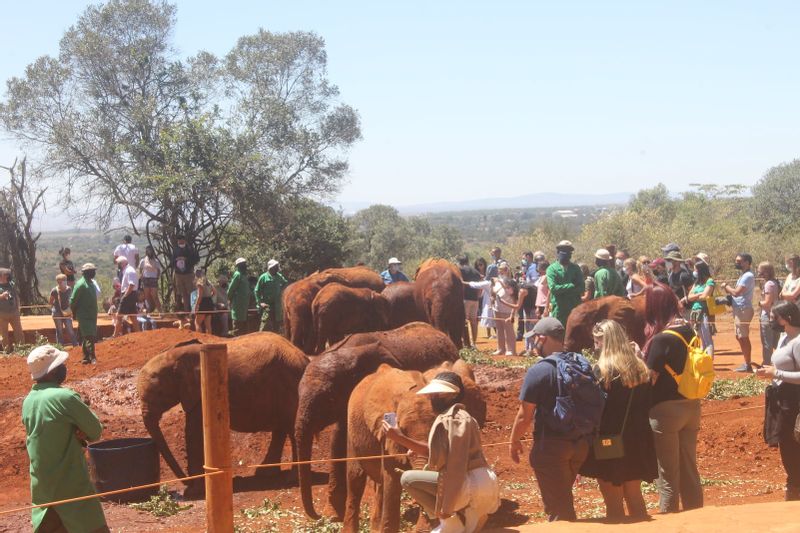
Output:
[[151, 423], [305, 439]]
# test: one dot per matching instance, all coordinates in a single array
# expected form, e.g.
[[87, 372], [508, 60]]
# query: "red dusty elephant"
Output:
[[402, 306], [392, 390], [264, 371], [297, 299], [629, 313], [330, 378], [338, 310], [439, 294]]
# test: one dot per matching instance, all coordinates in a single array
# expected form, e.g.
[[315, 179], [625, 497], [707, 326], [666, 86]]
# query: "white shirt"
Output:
[[129, 277], [128, 251]]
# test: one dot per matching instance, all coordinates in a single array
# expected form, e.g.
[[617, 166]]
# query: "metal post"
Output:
[[216, 437]]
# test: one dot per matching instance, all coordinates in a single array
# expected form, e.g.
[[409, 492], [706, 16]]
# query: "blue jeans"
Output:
[[64, 326]]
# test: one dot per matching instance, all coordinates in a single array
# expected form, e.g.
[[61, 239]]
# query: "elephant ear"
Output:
[[187, 343]]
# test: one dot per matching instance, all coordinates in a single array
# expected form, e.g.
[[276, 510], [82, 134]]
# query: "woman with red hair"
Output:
[[675, 420]]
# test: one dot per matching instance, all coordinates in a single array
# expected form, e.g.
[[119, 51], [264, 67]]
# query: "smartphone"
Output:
[[391, 419]]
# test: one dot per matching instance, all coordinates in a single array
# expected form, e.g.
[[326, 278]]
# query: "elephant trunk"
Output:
[[305, 439], [151, 423]]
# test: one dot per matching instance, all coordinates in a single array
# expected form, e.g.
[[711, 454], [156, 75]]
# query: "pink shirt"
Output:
[[542, 292]]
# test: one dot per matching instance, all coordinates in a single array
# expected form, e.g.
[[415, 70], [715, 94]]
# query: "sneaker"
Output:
[[744, 368], [497, 352], [509, 353]]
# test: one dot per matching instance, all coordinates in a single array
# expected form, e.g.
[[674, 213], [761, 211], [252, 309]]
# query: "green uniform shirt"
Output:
[[83, 303], [607, 283], [268, 291], [239, 296], [566, 288], [51, 414]]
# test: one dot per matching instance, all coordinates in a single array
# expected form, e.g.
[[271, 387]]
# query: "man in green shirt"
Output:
[[268, 291], [83, 303], [239, 297], [58, 425], [565, 280], [606, 280]]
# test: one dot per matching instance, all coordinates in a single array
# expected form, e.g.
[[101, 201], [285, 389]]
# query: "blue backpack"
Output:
[[580, 400]]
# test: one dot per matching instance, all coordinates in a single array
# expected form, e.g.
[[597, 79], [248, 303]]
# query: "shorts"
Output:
[[149, 283], [471, 309], [741, 320], [127, 306]]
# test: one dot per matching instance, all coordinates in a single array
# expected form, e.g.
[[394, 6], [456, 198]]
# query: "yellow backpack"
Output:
[[698, 373]]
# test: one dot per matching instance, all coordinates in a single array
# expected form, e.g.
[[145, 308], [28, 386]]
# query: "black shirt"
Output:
[[468, 273], [680, 282], [184, 259], [667, 349]]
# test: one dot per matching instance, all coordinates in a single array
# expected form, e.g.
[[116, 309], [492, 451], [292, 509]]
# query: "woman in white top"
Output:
[[505, 294], [791, 287], [636, 283], [149, 272], [782, 395]]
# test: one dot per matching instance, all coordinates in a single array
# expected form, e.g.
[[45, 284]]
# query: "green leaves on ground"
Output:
[[728, 389], [161, 504]]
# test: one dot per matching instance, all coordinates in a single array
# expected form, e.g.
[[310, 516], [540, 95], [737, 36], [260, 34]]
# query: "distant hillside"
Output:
[[538, 200]]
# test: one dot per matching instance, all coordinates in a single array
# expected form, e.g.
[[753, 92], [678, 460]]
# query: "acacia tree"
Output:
[[131, 132], [19, 202], [776, 197]]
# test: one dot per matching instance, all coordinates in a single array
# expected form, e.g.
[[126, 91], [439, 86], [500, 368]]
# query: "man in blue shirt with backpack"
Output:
[[563, 394]]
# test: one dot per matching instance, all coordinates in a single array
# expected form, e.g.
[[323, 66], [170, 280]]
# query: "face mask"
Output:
[[89, 274], [440, 405], [775, 326], [618, 263], [494, 257], [788, 267], [695, 275], [524, 262], [564, 257], [668, 265], [738, 266]]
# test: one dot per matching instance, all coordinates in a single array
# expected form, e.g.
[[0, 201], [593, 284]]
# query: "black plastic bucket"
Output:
[[122, 463]]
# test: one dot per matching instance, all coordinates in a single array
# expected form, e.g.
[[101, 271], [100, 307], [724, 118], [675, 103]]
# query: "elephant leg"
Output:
[[356, 481], [337, 488], [194, 451], [390, 519], [274, 454], [377, 507]]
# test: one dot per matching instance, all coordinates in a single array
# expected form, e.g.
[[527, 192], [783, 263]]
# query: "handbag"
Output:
[[611, 446]]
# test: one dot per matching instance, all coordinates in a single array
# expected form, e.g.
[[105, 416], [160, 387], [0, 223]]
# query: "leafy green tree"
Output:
[[776, 197]]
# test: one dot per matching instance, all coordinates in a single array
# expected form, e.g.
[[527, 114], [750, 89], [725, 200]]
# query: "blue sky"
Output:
[[463, 100]]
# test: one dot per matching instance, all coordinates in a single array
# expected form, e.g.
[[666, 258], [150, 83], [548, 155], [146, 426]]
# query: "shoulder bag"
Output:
[[611, 446]]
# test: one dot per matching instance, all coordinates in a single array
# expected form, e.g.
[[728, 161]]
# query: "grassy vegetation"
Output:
[[474, 356], [726, 389], [23, 350], [161, 504]]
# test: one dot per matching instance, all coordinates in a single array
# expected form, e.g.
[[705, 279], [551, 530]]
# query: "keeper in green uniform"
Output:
[[565, 281], [268, 291], [58, 425], [83, 304], [606, 279], [239, 297]]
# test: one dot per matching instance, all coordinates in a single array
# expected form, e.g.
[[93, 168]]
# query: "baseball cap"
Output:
[[658, 261], [547, 326], [44, 359]]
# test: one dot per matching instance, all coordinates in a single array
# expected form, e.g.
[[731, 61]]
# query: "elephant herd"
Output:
[[353, 351]]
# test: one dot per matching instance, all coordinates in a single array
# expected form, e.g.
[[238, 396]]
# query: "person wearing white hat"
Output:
[[83, 304], [456, 486], [59, 424], [393, 272], [239, 297], [566, 283], [606, 279], [269, 292]]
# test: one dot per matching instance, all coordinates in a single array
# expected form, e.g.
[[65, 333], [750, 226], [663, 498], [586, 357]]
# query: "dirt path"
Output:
[[736, 465]]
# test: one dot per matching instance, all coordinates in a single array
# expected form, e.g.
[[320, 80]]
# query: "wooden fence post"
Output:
[[216, 437]]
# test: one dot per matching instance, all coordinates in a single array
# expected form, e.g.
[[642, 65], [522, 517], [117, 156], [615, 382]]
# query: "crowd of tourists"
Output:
[[627, 419]]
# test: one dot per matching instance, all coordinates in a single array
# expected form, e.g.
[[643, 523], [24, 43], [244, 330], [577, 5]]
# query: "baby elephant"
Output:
[[338, 310]]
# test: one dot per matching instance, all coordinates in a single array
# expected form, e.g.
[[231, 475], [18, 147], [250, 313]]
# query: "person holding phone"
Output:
[[456, 486]]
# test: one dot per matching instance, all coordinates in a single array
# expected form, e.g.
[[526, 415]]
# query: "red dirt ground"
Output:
[[739, 467]]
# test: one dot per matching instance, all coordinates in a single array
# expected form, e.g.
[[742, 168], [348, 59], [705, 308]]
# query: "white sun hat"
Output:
[[44, 359], [439, 386]]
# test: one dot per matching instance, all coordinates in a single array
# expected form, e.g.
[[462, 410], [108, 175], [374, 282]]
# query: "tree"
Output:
[[776, 197], [172, 146], [19, 203]]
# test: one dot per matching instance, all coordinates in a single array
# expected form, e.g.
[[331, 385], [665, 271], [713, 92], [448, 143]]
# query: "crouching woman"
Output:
[[456, 486]]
